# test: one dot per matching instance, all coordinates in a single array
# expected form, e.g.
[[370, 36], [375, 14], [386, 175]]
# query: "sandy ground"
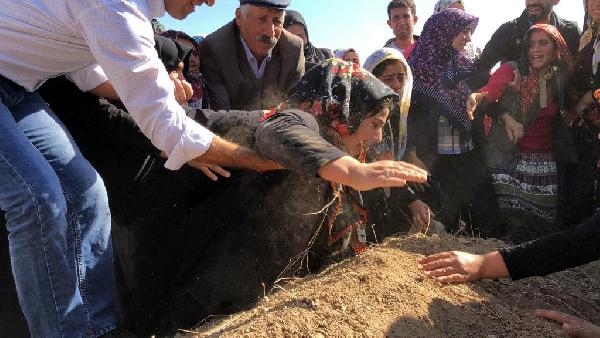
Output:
[[381, 293]]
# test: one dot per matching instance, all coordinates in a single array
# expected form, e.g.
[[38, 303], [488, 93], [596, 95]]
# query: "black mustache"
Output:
[[267, 39]]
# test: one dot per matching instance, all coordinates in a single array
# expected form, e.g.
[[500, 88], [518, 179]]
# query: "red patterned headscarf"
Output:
[[530, 84]]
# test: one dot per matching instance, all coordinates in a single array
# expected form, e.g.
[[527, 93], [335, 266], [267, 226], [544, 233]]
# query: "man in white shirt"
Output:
[[56, 207]]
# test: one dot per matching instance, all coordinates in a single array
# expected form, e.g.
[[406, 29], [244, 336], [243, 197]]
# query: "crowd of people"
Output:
[[296, 156]]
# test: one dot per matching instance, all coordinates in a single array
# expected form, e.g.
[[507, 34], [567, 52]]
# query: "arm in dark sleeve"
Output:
[[292, 138], [85, 113], [572, 35], [219, 95], [121, 127], [493, 53], [556, 252], [237, 126]]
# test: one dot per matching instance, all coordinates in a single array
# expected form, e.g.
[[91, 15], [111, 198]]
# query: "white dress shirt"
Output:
[[86, 39]]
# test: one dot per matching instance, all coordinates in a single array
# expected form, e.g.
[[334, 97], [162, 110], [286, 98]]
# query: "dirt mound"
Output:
[[381, 293]]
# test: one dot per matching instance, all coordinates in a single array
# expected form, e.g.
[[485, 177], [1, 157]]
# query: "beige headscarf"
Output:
[[375, 60]]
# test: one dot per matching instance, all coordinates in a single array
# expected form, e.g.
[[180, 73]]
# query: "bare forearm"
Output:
[[227, 154], [339, 170], [366, 176]]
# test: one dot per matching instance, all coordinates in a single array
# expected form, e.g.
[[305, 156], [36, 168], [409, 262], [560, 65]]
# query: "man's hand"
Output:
[[183, 89], [514, 129], [472, 103], [460, 267], [210, 170], [584, 102], [515, 85], [421, 214], [571, 325]]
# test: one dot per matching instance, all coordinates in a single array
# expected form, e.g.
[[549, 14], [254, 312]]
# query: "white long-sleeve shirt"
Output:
[[94, 40]]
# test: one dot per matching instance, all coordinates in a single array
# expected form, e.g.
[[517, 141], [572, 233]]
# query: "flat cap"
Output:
[[279, 4]]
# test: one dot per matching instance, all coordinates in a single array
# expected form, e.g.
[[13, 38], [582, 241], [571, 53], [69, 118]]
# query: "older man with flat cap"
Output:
[[251, 62]]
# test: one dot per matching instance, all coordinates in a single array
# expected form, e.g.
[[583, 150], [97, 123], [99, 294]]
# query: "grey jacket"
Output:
[[228, 74]]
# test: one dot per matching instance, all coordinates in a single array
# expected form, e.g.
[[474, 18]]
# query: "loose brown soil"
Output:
[[381, 293]]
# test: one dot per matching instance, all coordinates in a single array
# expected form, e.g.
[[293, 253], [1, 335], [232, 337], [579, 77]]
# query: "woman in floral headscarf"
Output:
[[529, 143], [440, 136], [223, 247], [470, 50]]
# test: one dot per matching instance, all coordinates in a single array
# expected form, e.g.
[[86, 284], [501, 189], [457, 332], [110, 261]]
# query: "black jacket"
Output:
[[506, 44]]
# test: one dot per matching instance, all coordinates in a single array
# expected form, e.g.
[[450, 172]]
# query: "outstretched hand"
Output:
[[461, 267], [210, 170], [367, 176], [452, 267], [383, 174], [571, 325], [473, 102]]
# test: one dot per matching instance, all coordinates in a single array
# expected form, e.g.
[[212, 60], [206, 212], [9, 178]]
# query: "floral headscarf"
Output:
[[531, 86], [342, 95], [443, 4], [439, 70], [375, 60]]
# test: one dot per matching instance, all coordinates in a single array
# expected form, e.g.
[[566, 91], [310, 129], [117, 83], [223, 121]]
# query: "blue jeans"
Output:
[[58, 221]]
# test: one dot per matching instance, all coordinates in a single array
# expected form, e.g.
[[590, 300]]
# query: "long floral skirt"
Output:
[[528, 197]]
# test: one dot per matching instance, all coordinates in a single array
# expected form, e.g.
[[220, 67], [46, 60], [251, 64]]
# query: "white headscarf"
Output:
[[375, 60]]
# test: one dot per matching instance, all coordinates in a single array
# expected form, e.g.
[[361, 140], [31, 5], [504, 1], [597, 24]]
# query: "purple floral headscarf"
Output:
[[439, 70]]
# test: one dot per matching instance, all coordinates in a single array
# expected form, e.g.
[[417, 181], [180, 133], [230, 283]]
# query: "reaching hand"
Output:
[[452, 267], [584, 102], [515, 85], [421, 214], [514, 129], [460, 267], [368, 176], [571, 325], [183, 89], [210, 170], [474, 101], [392, 174]]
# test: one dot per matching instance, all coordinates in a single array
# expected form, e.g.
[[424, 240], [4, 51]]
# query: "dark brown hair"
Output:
[[401, 4]]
